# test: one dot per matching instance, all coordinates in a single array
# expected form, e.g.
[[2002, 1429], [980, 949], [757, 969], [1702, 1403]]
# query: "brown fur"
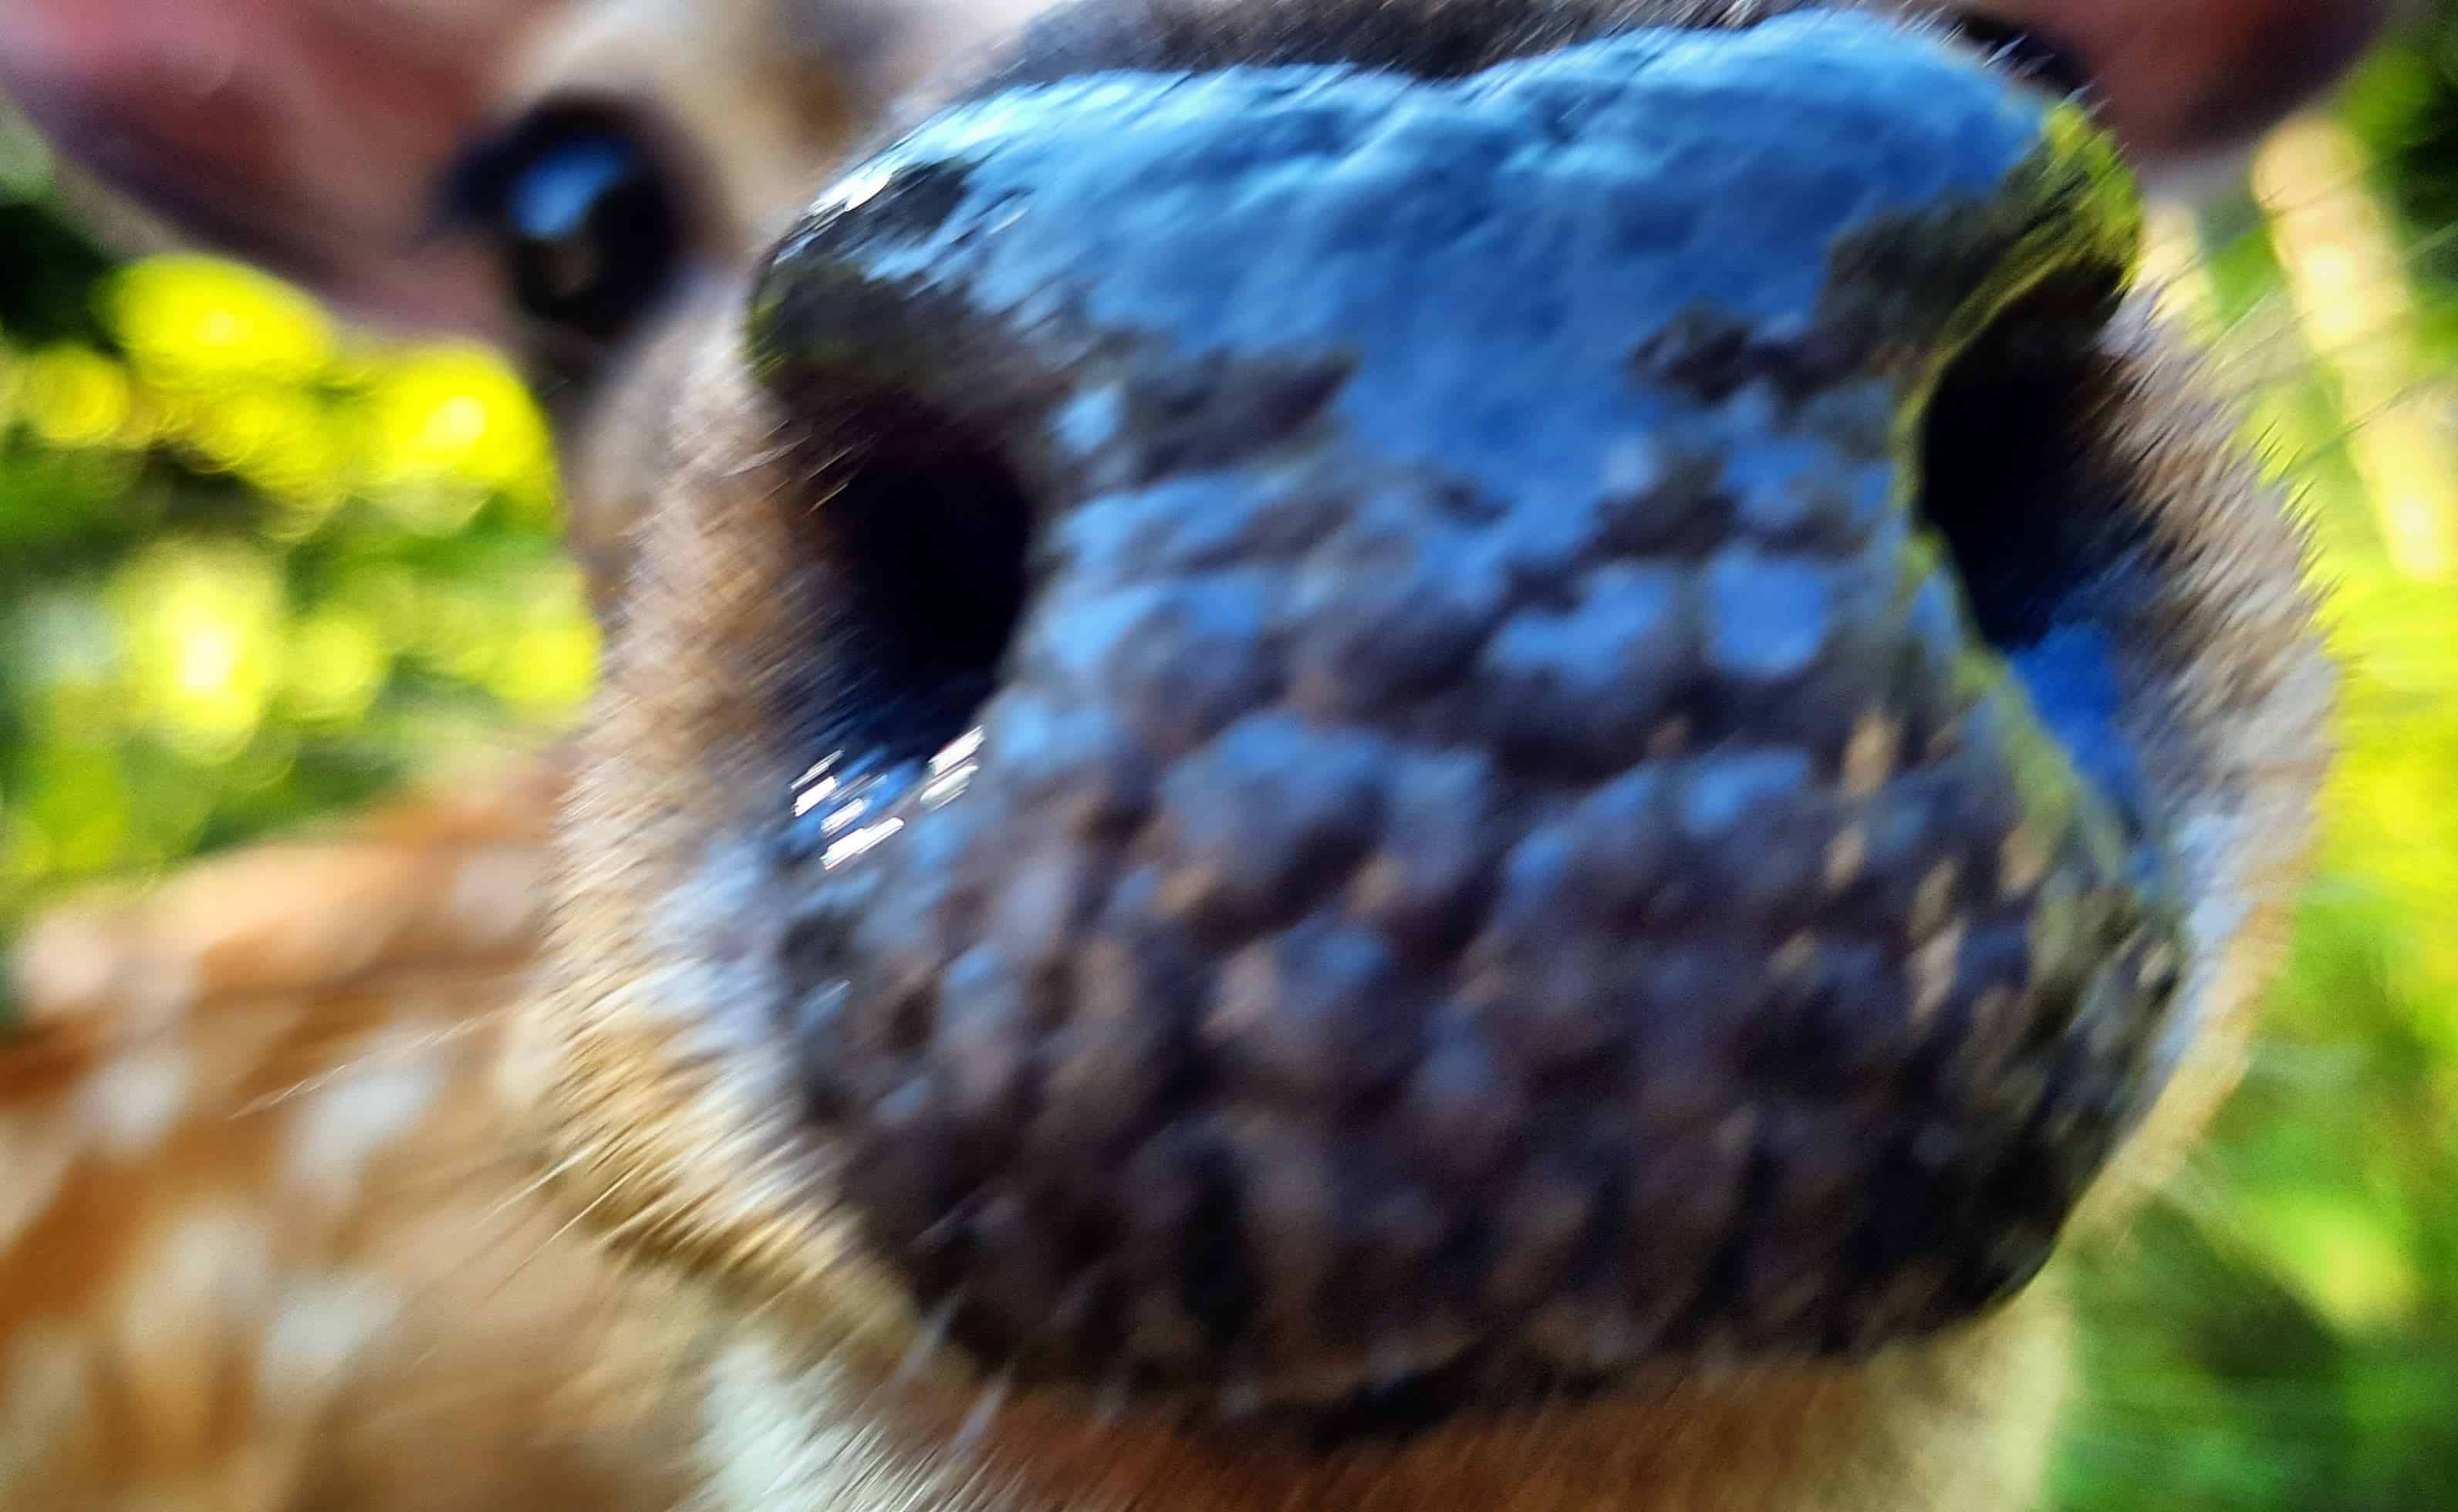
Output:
[[644, 1290]]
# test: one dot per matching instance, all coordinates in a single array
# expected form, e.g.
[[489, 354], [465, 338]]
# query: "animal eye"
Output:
[[589, 224], [2025, 52]]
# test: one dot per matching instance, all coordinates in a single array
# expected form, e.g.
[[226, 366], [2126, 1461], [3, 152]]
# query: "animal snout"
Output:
[[1457, 734]]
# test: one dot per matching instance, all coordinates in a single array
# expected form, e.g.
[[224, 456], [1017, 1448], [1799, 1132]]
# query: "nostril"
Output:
[[921, 533], [2025, 51], [2007, 471], [2030, 506]]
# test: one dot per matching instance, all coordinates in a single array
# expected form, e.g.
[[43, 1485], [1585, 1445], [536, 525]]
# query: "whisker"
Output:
[[985, 1412], [534, 1186], [544, 1246], [927, 1341], [396, 1051]]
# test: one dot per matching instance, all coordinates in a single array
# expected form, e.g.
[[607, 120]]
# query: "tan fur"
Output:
[[260, 1241], [1960, 1426], [456, 1116]]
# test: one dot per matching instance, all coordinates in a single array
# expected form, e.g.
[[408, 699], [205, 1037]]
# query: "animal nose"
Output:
[[1485, 832]]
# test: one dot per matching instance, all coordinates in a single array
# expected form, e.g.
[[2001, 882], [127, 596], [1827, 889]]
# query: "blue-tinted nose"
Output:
[[1427, 784]]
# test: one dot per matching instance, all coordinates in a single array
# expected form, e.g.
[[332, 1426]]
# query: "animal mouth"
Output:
[[1535, 803]]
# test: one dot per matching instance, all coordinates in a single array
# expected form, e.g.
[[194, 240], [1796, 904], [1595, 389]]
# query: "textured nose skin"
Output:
[[1496, 850]]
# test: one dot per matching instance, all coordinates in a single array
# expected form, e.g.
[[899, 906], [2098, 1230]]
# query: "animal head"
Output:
[[1356, 755]]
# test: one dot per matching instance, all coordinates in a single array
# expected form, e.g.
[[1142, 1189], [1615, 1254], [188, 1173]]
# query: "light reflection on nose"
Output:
[[833, 795]]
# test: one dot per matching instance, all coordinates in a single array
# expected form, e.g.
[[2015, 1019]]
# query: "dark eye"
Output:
[[588, 222], [2025, 52]]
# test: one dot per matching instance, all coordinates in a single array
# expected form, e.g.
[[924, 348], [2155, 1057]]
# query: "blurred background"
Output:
[[254, 569]]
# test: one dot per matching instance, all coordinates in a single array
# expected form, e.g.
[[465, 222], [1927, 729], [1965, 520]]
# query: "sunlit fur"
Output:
[[579, 1261]]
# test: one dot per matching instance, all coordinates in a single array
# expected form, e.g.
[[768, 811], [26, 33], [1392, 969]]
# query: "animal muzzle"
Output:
[[1410, 803]]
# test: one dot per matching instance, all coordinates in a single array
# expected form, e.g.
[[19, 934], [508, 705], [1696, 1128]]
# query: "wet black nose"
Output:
[[1492, 839]]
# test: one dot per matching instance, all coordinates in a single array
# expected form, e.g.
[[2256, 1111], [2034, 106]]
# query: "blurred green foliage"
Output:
[[2282, 1331], [251, 568], [254, 569]]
